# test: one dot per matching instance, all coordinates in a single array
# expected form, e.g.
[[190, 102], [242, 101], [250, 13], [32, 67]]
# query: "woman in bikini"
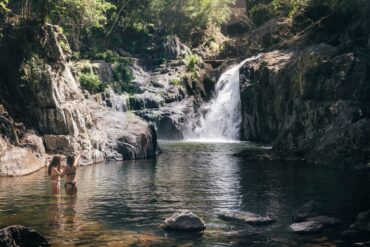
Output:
[[55, 172], [70, 172]]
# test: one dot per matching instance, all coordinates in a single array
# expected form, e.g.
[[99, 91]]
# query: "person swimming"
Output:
[[70, 172], [54, 171]]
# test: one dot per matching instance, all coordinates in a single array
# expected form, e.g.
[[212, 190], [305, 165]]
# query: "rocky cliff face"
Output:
[[39, 89], [311, 103], [21, 151]]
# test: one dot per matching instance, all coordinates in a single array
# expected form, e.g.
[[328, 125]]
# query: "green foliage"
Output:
[[176, 81], [171, 17], [261, 13], [108, 56], [289, 8], [203, 13], [65, 46], [264, 10], [3, 6], [192, 61], [79, 17], [32, 71], [122, 76], [90, 82]]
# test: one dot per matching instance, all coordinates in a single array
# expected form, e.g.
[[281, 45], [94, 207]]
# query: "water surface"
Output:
[[123, 203]]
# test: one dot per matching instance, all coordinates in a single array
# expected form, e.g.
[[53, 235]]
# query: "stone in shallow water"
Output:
[[362, 222], [20, 236], [360, 228], [184, 220], [324, 220], [310, 209], [246, 217], [306, 227]]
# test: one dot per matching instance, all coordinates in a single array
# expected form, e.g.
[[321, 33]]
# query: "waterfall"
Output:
[[220, 118]]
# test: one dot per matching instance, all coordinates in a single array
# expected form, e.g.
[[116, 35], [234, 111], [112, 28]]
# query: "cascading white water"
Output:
[[220, 118]]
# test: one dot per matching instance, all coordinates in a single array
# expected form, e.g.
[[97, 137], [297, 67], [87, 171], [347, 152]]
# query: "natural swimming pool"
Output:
[[123, 204]]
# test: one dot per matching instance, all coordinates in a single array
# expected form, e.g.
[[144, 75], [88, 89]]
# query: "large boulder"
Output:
[[21, 152], [362, 222], [126, 136], [184, 220], [145, 100], [103, 70], [324, 220], [174, 49], [246, 217], [169, 121], [309, 219], [310, 209], [20, 236], [306, 227], [360, 229]]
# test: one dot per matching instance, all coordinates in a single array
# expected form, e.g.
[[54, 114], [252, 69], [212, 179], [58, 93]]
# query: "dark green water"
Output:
[[123, 204]]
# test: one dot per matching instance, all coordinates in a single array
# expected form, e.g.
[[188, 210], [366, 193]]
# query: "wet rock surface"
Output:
[[246, 217], [308, 210], [256, 154], [306, 227], [184, 220], [360, 229], [310, 218], [20, 236], [21, 151], [310, 103]]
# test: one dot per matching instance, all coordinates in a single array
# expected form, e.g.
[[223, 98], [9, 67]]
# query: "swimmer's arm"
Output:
[[76, 160], [62, 173], [55, 170]]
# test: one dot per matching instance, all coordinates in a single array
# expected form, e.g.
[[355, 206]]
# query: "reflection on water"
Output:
[[123, 204]]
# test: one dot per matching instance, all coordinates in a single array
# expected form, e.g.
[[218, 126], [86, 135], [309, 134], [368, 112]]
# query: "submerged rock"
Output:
[[246, 217], [306, 227], [309, 219], [310, 209], [20, 236], [253, 154], [362, 222], [184, 220], [360, 229], [324, 220]]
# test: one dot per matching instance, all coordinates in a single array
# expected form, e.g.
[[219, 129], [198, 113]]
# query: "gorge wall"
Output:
[[308, 94], [312, 103], [39, 90]]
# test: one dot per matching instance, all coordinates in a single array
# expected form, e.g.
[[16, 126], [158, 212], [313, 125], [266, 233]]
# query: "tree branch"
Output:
[[117, 18]]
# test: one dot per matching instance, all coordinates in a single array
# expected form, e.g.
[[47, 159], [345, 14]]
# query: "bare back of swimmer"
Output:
[[70, 172]]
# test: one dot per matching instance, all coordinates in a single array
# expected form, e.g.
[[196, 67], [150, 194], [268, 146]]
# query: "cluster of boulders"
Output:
[[307, 219], [60, 119], [185, 220]]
